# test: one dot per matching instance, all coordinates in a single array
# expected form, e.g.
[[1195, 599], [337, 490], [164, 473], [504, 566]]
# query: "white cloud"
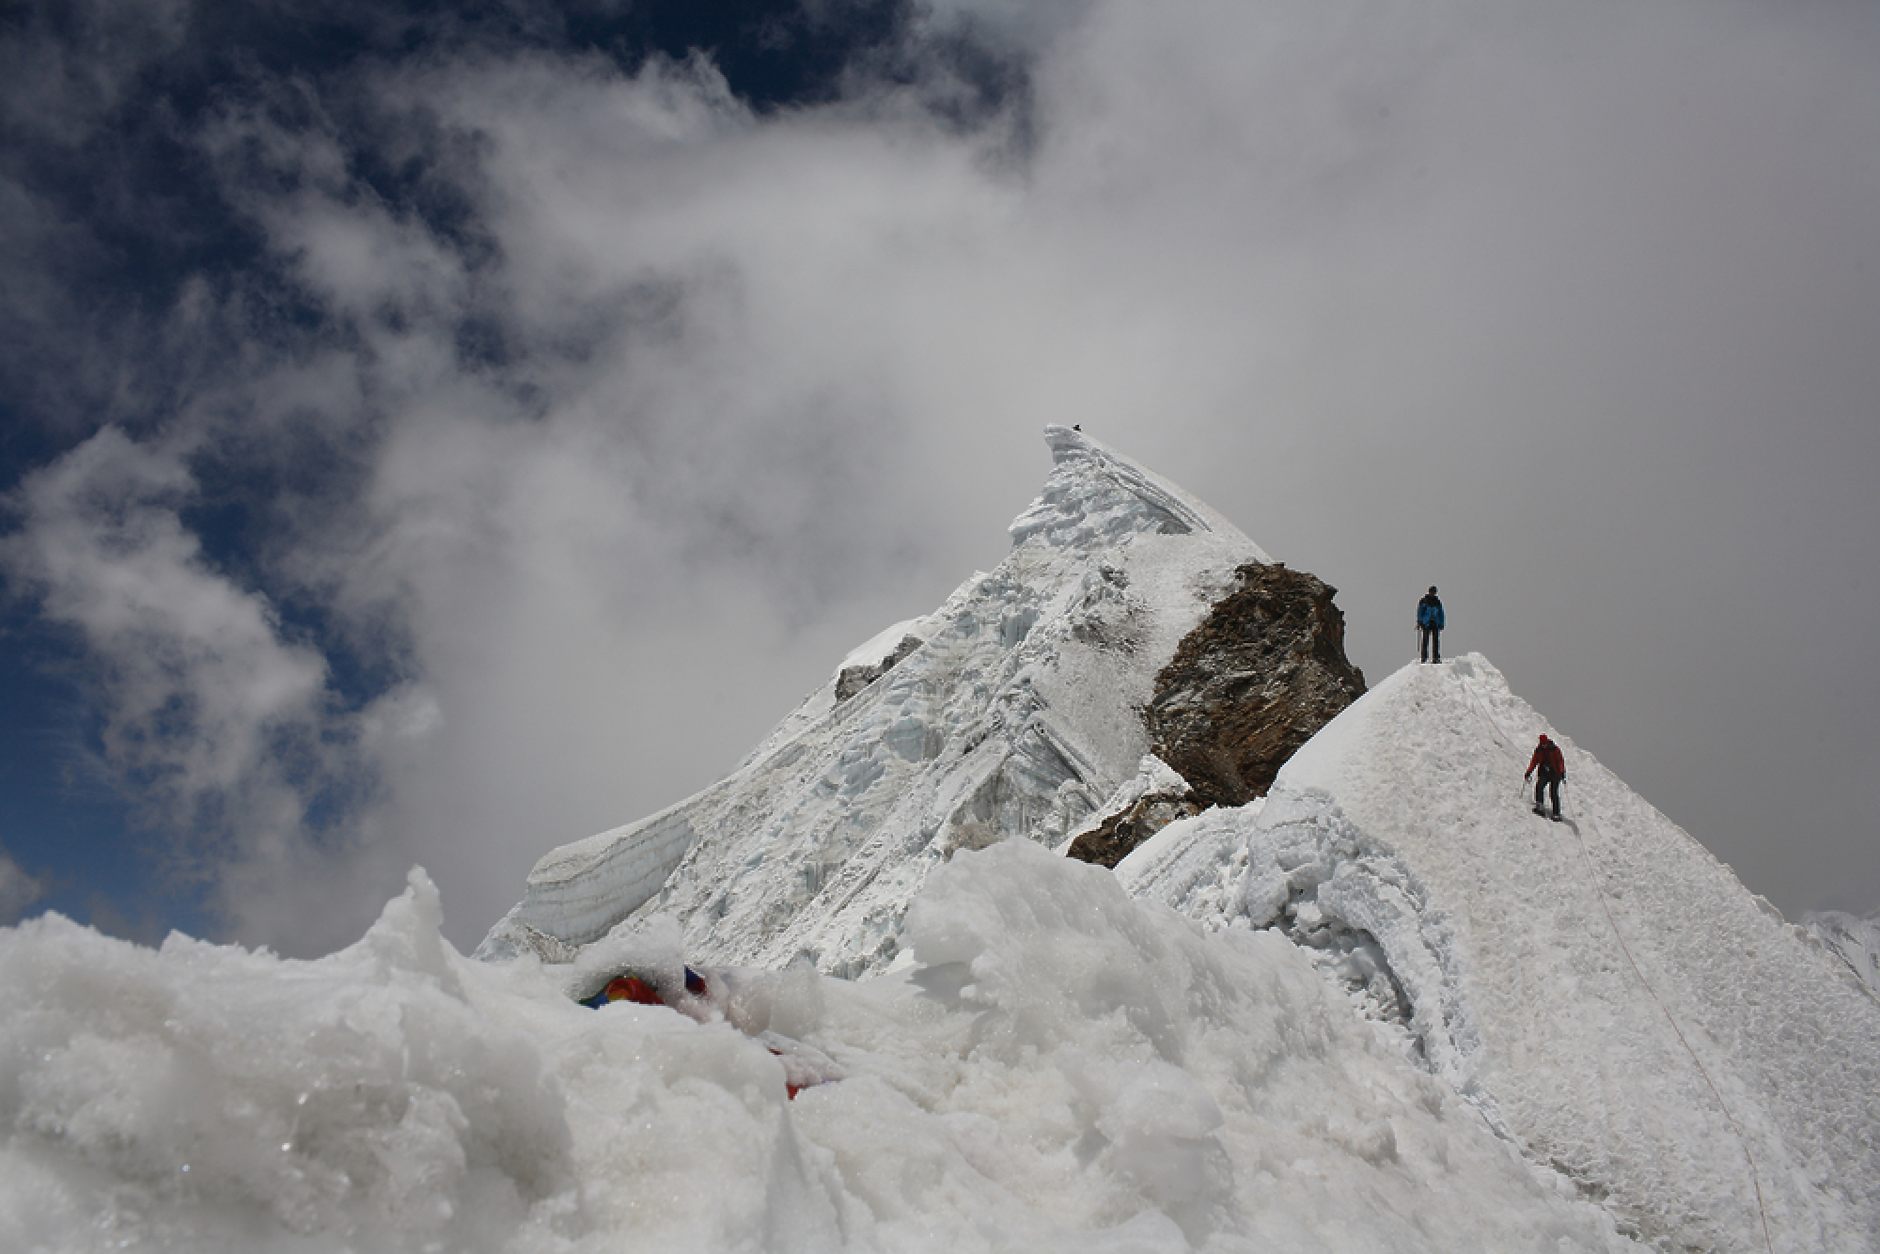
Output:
[[1501, 299], [208, 711], [200, 675], [18, 890]]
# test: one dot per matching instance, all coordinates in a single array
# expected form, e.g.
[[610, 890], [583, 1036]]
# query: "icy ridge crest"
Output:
[[1606, 992], [1095, 496], [1295, 863]]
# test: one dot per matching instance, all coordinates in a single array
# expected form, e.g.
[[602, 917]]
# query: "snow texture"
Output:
[[1017, 715], [1853, 939], [1603, 989], [1059, 1069]]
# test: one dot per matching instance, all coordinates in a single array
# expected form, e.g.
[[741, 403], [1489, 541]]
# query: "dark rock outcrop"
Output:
[[1251, 684], [853, 679], [1111, 840], [1245, 689]]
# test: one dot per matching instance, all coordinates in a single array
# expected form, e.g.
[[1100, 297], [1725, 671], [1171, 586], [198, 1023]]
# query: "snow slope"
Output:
[[1015, 716], [1603, 989]]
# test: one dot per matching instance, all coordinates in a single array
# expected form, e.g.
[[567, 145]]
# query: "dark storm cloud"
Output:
[[454, 430]]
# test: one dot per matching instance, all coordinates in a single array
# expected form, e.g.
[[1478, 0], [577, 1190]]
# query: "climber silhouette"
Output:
[[1430, 627]]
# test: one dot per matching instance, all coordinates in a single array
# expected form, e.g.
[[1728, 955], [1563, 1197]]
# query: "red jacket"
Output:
[[1549, 759]]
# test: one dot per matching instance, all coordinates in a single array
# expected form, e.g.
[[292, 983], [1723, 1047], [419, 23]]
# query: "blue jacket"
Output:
[[1430, 613]]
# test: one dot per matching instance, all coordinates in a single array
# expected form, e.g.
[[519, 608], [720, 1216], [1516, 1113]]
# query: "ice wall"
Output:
[[1853, 939]]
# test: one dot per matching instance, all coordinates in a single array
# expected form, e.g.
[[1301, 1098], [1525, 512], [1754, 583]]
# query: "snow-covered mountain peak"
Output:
[[1096, 496], [1015, 709], [1391, 1007], [1601, 990]]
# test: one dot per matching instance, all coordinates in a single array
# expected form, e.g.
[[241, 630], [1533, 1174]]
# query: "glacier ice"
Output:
[[1057, 1068], [1854, 939], [1015, 715]]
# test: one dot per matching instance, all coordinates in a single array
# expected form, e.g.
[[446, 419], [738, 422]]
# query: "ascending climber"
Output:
[[1430, 627], [1552, 765]]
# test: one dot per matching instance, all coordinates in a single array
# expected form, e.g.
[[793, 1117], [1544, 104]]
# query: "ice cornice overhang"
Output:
[[1096, 492]]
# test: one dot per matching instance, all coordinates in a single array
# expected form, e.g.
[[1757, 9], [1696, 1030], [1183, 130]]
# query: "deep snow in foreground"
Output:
[[1061, 1069]]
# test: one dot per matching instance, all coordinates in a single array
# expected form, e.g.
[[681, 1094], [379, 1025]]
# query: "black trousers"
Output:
[[1547, 779], [1430, 641]]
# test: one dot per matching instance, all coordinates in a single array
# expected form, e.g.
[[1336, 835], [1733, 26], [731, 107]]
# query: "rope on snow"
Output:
[[1599, 889], [1742, 1141]]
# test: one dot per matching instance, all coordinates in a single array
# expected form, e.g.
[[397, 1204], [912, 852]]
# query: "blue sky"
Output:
[[433, 433], [118, 217]]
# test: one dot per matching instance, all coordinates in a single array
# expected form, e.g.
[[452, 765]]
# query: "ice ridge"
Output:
[[1015, 712], [1605, 991]]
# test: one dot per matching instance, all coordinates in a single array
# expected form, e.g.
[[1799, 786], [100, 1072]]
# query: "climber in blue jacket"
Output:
[[1430, 627]]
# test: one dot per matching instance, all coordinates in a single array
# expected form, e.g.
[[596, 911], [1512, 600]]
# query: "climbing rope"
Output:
[[1742, 1141], [1599, 889], [1488, 716]]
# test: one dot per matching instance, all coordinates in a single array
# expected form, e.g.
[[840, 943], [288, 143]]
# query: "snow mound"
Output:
[[1014, 714], [202, 1097], [1601, 988], [1061, 1069]]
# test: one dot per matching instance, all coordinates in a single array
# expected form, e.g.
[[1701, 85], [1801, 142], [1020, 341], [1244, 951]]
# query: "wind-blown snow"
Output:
[[1016, 716], [1602, 988]]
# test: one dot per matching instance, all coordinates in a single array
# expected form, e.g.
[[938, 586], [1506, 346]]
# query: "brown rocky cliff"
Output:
[[1245, 689], [854, 679], [1251, 684]]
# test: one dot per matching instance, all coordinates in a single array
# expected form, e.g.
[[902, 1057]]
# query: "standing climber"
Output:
[[1430, 627], [1552, 765]]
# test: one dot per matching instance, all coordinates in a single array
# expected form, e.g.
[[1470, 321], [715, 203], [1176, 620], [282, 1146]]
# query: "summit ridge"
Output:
[[1013, 710]]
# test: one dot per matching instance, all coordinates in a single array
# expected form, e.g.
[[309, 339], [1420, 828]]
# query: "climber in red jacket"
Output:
[[803, 1065], [1552, 765]]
